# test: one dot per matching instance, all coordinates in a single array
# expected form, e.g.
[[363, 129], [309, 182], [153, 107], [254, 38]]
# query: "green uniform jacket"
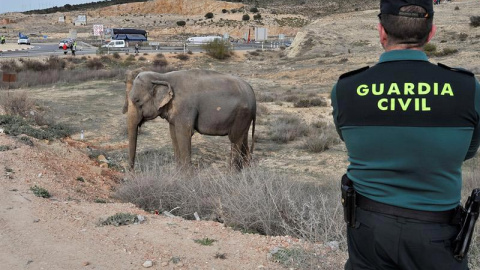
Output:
[[408, 126]]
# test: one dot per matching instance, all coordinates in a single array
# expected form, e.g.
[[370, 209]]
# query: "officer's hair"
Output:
[[409, 31]]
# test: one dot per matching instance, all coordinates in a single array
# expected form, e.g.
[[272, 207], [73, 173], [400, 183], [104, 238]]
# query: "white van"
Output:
[[115, 44]]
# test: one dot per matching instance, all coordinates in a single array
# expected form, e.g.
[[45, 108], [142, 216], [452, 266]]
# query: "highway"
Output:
[[46, 49]]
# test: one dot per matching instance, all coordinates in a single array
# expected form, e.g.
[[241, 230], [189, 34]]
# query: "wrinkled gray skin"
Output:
[[129, 77], [206, 101]]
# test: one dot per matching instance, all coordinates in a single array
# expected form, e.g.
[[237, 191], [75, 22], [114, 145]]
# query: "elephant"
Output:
[[205, 101], [129, 77]]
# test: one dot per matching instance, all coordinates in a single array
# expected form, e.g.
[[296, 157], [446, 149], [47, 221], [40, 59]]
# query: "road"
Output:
[[46, 49]]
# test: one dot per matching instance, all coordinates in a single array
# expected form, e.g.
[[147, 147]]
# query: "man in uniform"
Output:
[[408, 125]]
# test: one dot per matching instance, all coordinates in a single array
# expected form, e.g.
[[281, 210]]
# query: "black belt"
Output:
[[428, 216]]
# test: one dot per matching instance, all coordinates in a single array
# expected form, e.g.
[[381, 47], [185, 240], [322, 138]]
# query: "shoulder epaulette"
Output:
[[353, 72], [461, 70]]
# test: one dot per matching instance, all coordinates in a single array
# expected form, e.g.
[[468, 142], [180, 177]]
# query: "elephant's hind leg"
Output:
[[240, 154]]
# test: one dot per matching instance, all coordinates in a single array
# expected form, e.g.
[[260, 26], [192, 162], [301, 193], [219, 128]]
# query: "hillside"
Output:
[[159, 18], [62, 232]]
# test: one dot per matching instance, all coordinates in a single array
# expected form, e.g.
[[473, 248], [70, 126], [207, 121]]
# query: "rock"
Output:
[[333, 245], [102, 158], [164, 264], [141, 219], [103, 165], [148, 264]]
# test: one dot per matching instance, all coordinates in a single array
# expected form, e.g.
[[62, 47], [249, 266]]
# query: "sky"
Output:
[[24, 5]]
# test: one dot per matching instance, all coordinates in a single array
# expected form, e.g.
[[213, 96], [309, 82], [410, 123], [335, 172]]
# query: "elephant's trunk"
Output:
[[133, 120]]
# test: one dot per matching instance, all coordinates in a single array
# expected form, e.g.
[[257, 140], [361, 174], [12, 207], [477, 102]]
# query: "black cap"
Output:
[[393, 7]]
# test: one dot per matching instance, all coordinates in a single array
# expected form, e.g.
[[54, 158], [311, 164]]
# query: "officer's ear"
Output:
[[383, 35], [432, 32]]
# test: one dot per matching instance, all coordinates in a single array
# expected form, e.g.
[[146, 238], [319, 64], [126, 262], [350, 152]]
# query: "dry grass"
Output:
[[17, 103], [321, 137], [253, 200], [287, 128]]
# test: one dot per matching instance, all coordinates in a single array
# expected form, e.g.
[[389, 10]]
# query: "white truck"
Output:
[[202, 40]]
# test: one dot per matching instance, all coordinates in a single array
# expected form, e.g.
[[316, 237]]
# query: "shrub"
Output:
[[120, 219], [320, 102], [40, 192], [445, 52], [245, 17], [463, 36], [182, 56], [209, 15], [205, 241], [26, 140], [254, 9], [11, 66], [224, 11], [291, 98], [257, 17], [431, 50], [475, 21], [17, 104], [116, 55], [15, 125], [33, 64], [219, 49], [162, 62], [266, 97], [305, 103], [181, 23], [321, 138], [56, 63], [141, 58], [253, 200], [287, 128], [95, 63]]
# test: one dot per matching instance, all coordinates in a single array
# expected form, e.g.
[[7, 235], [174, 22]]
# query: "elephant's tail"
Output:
[[253, 134]]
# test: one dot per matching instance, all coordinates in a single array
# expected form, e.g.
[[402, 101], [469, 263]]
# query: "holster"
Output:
[[348, 201], [468, 218]]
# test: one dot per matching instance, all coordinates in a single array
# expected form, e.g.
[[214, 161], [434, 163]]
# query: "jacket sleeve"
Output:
[[335, 110], [475, 142]]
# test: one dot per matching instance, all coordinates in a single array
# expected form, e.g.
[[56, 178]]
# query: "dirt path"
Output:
[[62, 232]]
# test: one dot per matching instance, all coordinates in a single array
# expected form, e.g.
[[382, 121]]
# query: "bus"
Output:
[[127, 34]]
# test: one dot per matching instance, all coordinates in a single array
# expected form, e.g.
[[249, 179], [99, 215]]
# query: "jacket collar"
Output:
[[399, 55]]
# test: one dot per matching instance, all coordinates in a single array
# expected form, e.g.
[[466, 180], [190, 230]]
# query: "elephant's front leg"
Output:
[[183, 135], [173, 136]]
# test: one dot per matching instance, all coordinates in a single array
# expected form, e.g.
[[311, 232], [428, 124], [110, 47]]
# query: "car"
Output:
[[23, 40], [67, 41], [115, 44]]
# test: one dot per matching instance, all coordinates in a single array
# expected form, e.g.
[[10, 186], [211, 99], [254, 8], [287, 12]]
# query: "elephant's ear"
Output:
[[162, 93]]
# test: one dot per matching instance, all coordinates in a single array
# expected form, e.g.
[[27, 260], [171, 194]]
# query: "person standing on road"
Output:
[[136, 47], [65, 47], [73, 47], [408, 125]]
